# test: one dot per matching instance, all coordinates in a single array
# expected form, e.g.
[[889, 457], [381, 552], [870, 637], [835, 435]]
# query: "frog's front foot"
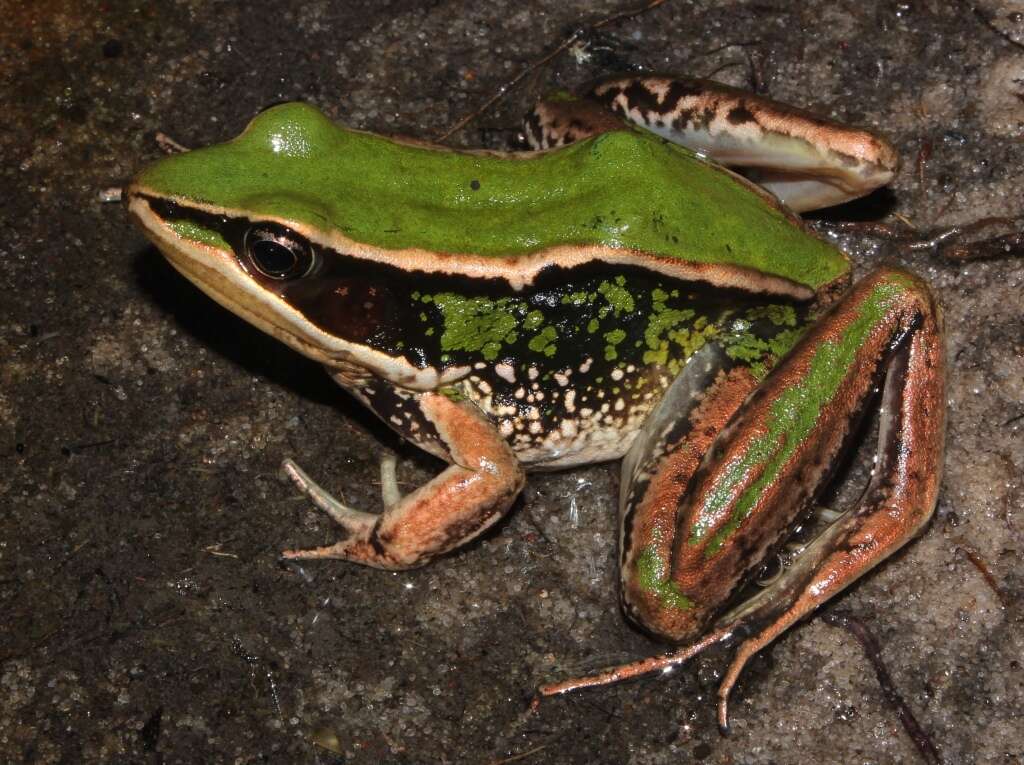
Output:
[[455, 507]]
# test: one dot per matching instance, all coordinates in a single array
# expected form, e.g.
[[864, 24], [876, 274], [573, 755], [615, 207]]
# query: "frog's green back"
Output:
[[623, 189]]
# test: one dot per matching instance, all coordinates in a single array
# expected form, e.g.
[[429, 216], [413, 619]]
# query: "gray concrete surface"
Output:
[[144, 615]]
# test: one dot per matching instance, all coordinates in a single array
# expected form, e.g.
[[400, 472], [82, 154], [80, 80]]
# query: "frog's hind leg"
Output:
[[893, 319], [765, 468], [455, 507], [807, 161]]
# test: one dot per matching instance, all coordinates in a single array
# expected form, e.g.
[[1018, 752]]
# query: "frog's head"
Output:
[[252, 223]]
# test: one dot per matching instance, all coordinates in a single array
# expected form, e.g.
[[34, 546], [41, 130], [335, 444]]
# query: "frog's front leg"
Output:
[[696, 525], [459, 504]]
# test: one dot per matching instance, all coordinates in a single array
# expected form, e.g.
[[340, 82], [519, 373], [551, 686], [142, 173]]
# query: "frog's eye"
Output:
[[277, 252]]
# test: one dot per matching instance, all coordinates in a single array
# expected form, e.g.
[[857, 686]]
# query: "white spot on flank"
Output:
[[561, 378], [519, 393], [585, 366], [568, 428], [505, 428], [532, 373], [570, 401], [505, 371], [619, 405], [617, 374]]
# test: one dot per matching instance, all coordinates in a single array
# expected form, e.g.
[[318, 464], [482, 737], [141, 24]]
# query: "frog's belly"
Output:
[[549, 427], [562, 426], [598, 445]]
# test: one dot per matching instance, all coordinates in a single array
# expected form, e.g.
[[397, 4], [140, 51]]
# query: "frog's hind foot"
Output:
[[353, 521], [362, 544], [664, 663]]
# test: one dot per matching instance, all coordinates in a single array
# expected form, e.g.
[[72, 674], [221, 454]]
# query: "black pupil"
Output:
[[274, 258]]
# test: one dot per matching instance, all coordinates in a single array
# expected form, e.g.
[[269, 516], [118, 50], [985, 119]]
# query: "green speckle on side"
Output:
[[533, 320], [663, 327], [617, 296], [792, 418], [544, 342], [780, 314], [575, 298], [623, 189], [652, 576], [189, 230], [614, 337], [452, 393], [475, 324]]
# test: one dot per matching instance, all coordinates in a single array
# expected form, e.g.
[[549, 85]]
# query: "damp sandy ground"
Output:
[[145, 617]]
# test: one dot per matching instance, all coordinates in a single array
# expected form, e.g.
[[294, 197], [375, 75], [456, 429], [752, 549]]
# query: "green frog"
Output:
[[614, 294]]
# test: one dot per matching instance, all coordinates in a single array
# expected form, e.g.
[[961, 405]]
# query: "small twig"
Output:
[[521, 756], [986, 573], [110, 194], [923, 155], [168, 145], [564, 45], [873, 651], [79, 448], [215, 550], [754, 75]]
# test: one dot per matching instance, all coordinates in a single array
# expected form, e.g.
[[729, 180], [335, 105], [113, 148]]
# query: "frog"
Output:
[[638, 286]]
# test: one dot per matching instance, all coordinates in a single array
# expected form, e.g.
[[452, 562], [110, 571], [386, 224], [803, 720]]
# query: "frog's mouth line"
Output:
[[215, 270]]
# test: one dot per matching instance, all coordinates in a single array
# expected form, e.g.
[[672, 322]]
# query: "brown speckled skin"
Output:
[[691, 101]]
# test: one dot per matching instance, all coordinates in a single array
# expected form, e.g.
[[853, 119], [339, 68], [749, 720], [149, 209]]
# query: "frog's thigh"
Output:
[[456, 506], [656, 474]]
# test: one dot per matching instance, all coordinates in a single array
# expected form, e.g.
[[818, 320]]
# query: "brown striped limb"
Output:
[[768, 464], [663, 663], [455, 507]]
